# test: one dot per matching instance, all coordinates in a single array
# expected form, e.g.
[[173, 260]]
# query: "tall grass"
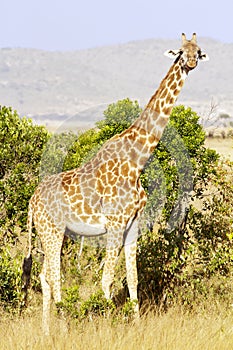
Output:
[[171, 330]]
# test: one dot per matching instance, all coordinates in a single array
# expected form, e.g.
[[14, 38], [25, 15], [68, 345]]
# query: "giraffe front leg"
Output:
[[130, 247], [55, 281], [112, 254], [132, 276]]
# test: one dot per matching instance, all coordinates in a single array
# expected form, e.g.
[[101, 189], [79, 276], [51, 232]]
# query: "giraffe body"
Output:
[[105, 196]]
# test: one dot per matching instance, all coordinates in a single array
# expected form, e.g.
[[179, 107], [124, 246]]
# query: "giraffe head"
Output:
[[189, 54]]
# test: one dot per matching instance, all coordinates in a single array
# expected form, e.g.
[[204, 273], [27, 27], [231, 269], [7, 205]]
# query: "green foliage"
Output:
[[212, 226], [55, 154], [186, 122], [96, 305], [21, 141], [160, 261], [83, 149], [10, 281], [21, 146], [118, 117], [179, 161], [70, 303], [128, 310], [195, 251]]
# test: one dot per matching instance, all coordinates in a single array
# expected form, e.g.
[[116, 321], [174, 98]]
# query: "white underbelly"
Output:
[[87, 229]]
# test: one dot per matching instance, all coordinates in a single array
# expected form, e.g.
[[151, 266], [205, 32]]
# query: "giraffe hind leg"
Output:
[[27, 266], [46, 291], [50, 278]]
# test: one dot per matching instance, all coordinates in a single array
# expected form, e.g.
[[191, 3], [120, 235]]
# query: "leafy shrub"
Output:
[[184, 259], [21, 147], [70, 303], [96, 305], [118, 117], [10, 281], [55, 154], [178, 164]]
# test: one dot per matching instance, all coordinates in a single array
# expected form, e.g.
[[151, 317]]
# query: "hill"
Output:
[[56, 86]]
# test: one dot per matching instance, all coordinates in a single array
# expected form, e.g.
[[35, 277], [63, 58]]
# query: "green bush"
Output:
[[118, 117], [184, 259], [55, 154], [10, 281], [21, 147], [96, 305]]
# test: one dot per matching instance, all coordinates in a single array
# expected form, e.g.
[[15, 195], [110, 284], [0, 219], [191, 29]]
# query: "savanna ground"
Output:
[[206, 325], [201, 329], [223, 146]]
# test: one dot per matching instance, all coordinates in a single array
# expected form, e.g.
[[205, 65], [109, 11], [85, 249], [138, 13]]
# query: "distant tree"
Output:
[[224, 116], [118, 117]]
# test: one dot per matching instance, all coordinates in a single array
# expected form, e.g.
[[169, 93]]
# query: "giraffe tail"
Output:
[[27, 262]]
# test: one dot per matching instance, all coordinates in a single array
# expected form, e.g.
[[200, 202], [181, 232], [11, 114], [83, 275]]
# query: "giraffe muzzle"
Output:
[[191, 63]]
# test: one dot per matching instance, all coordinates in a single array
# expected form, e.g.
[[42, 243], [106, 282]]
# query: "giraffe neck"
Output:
[[166, 95], [149, 126], [136, 143]]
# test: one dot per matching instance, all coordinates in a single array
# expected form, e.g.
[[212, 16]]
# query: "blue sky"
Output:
[[80, 24]]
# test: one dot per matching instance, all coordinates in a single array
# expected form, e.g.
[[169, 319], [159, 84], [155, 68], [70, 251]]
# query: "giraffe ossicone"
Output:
[[105, 196]]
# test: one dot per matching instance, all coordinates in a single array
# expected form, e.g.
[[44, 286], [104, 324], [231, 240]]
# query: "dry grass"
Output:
[[171, 330]]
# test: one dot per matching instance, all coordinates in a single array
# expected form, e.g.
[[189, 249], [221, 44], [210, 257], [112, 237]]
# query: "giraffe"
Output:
[[105, 195]]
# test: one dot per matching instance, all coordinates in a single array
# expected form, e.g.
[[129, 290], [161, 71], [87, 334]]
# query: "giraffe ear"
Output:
[[172, 53], [203, 57]]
